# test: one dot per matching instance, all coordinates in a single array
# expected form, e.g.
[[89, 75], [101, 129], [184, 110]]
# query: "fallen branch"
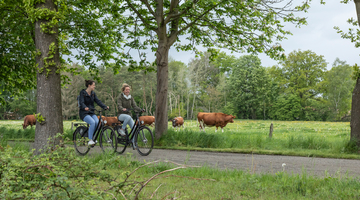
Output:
[[156, 190], [169, 194]]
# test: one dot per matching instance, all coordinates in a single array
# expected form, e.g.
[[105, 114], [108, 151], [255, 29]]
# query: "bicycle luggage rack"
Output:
[[79, 123], [115, 124]]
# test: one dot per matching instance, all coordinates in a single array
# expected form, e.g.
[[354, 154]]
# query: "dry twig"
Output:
[[155, 191]]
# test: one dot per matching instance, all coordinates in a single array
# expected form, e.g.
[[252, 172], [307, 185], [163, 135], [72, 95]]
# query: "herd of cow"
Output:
[[203, 118]]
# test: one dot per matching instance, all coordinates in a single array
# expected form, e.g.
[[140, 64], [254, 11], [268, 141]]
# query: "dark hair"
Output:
[[89, 82]]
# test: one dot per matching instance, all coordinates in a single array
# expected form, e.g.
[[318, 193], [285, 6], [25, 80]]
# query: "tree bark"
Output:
[[355, 114], [355, 104], [162, 55], [48, 85], [144, 95], [187, 107], [179, 106]]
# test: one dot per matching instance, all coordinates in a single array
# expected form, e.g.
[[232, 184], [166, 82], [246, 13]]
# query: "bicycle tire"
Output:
[[108, 140], [144, 141], [80, 140], [122, 141]]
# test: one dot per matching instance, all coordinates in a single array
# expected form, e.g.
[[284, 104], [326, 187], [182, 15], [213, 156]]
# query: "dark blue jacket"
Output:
[[86, 100]]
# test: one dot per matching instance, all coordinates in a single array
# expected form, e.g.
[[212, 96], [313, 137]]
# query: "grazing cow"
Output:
[[29, 120], [147, 120], [109, 121], [216, 119], [200, 117], [178, 122]]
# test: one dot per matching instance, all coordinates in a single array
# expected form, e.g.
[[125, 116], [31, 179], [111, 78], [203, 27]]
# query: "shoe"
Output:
[[91, 142], [122, 133]]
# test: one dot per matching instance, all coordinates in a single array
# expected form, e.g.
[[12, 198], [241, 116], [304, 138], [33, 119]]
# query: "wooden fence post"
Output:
[[271, 130]]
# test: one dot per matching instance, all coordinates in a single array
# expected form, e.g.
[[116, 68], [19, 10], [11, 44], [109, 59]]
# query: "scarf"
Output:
[[127, 97]]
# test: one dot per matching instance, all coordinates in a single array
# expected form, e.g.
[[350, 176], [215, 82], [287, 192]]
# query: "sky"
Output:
[[318, 36]]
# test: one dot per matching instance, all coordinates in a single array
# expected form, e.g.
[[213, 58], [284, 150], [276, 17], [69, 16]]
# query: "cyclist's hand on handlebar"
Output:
[[86, 108], [142, 110], [124, 109], [107, 108]]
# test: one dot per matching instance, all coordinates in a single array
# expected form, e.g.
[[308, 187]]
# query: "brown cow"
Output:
[[178, 122], [200, 117], [147, 120], [29, 120], [109, 121], [216, 119]]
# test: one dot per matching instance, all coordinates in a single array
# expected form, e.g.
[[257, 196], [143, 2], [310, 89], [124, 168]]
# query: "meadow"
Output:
[[302, 138], [114, 178]]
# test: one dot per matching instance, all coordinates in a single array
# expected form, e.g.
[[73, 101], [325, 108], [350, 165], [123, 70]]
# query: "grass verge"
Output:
[[65, 175]]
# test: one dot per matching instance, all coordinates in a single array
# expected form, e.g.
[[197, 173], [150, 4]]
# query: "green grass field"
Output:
[[303, 138], [289, 138]]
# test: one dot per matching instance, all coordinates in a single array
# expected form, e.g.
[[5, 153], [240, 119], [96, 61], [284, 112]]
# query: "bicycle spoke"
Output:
[[144, 141], [80, 142], [108, 140], [122, 141]]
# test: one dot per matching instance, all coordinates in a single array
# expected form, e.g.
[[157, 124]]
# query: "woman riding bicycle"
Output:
[[86, 104], [126, 101]]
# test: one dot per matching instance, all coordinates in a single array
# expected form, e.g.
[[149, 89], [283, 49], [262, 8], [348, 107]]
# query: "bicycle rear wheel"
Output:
[[144, 141], [122, 141], [108, 141], [80, 140]]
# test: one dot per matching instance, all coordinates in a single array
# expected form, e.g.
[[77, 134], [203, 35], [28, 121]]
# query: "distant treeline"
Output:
[[299, 88]]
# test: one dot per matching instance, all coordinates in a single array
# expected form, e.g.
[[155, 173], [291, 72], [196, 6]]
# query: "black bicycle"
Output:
[[140, 138], [108, 140]]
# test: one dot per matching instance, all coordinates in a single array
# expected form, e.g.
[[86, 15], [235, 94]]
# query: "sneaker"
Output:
[[91, 142], [122, 133]]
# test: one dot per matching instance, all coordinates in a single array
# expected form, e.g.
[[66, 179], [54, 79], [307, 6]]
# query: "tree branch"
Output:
[[149, 7], [357, 5], [139, 15], [174, 35], [175, 15]]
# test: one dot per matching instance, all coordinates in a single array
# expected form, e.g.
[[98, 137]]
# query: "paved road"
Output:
[[257, 163], [253, 163]]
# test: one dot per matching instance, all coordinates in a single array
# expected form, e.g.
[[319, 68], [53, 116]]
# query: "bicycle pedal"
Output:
[[92, 146]]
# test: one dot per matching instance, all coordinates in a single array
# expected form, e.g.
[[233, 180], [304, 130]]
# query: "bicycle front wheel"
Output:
[[80, 140], [144, 141], [108, 142], [122, 141]]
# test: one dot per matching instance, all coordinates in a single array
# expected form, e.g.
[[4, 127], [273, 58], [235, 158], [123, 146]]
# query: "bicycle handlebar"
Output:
[[93, 109], [129, 109]]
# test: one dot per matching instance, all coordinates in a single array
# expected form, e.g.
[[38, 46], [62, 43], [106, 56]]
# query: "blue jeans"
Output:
[[127, 120], [93, 121]]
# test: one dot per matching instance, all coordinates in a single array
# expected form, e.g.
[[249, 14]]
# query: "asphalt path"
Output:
[[255, 163]]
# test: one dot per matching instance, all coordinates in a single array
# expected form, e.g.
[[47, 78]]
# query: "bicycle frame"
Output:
[[98, 128], [134, 128]]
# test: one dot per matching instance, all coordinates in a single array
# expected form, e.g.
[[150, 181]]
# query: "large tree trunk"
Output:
[[355, 104], [48, 85], [161, 123], [355, 114]]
